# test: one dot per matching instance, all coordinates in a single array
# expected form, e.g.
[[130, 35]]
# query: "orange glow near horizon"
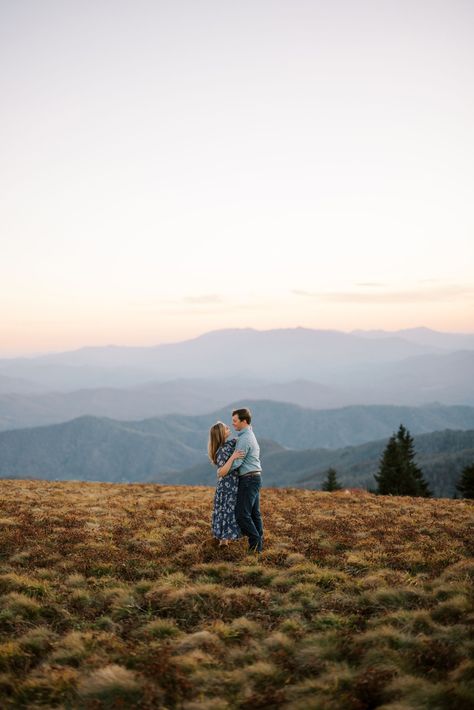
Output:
[[21, 337]]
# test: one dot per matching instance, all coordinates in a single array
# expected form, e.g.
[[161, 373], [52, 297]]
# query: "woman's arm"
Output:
[[224, 470]]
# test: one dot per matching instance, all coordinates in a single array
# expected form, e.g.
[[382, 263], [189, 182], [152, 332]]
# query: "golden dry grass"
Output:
[[117, 596]]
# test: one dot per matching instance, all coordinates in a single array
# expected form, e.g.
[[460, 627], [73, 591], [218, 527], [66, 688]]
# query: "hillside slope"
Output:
[[102, 449], [441, 455], [172, 450]]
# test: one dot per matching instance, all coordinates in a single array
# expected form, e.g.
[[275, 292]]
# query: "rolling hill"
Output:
[[442, 455], [173, 448]]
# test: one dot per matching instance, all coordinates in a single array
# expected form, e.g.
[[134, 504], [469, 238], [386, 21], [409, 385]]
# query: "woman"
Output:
[[222, 453]]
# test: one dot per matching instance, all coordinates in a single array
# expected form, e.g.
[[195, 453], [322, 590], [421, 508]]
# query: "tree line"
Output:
[[398, 473]]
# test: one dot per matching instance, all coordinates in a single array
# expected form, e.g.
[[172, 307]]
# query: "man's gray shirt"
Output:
[[247, 443]]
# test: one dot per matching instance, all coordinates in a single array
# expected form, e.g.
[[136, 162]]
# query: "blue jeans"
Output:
[[247, 511]]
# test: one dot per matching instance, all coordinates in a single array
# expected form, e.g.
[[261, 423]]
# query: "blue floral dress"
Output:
[[224, 524]]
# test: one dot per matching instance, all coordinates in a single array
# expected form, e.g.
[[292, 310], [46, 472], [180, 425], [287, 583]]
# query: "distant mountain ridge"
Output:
[[242, 353], [152, 399], [425, 336], [321, 369]]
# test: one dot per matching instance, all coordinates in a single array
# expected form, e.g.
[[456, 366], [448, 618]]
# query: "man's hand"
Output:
[[224, 470]]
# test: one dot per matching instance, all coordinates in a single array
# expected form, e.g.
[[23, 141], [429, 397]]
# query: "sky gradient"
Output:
[[172, 168]]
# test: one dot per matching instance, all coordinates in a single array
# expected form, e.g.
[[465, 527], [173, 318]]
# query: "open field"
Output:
[[116, 596]]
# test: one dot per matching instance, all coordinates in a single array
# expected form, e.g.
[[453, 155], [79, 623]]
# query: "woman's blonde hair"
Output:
[[216, 439]]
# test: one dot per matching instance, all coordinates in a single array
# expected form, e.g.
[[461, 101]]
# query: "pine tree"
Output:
[[387, 476], [398, 473], [331, 483], [465, 485]]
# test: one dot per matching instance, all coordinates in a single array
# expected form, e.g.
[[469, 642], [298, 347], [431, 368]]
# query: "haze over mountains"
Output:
[[130, 414], [317, 369], [424, 336], [280, 355]]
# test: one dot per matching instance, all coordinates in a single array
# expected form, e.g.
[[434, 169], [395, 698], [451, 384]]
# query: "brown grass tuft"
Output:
[[110, 683]]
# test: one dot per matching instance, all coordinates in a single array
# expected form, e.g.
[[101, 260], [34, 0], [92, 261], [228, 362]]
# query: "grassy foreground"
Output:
[[117, 596]]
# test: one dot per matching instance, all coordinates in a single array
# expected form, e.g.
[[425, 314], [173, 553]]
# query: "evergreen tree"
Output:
[[398, 473], [331, 483], [465, 485]]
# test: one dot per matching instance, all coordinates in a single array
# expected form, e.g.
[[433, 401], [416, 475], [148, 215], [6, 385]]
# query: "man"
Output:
[[249, 468]]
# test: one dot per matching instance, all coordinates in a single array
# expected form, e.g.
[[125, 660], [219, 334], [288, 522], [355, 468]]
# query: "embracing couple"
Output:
[[236, 510]]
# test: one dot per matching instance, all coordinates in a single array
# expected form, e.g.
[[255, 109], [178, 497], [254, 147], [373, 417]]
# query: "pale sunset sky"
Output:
[[169, 168]]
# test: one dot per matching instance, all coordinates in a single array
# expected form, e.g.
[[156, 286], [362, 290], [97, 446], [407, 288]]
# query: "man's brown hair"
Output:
[[243, 414]]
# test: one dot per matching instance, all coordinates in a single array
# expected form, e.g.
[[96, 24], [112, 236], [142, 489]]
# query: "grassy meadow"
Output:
[[117, 596]]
